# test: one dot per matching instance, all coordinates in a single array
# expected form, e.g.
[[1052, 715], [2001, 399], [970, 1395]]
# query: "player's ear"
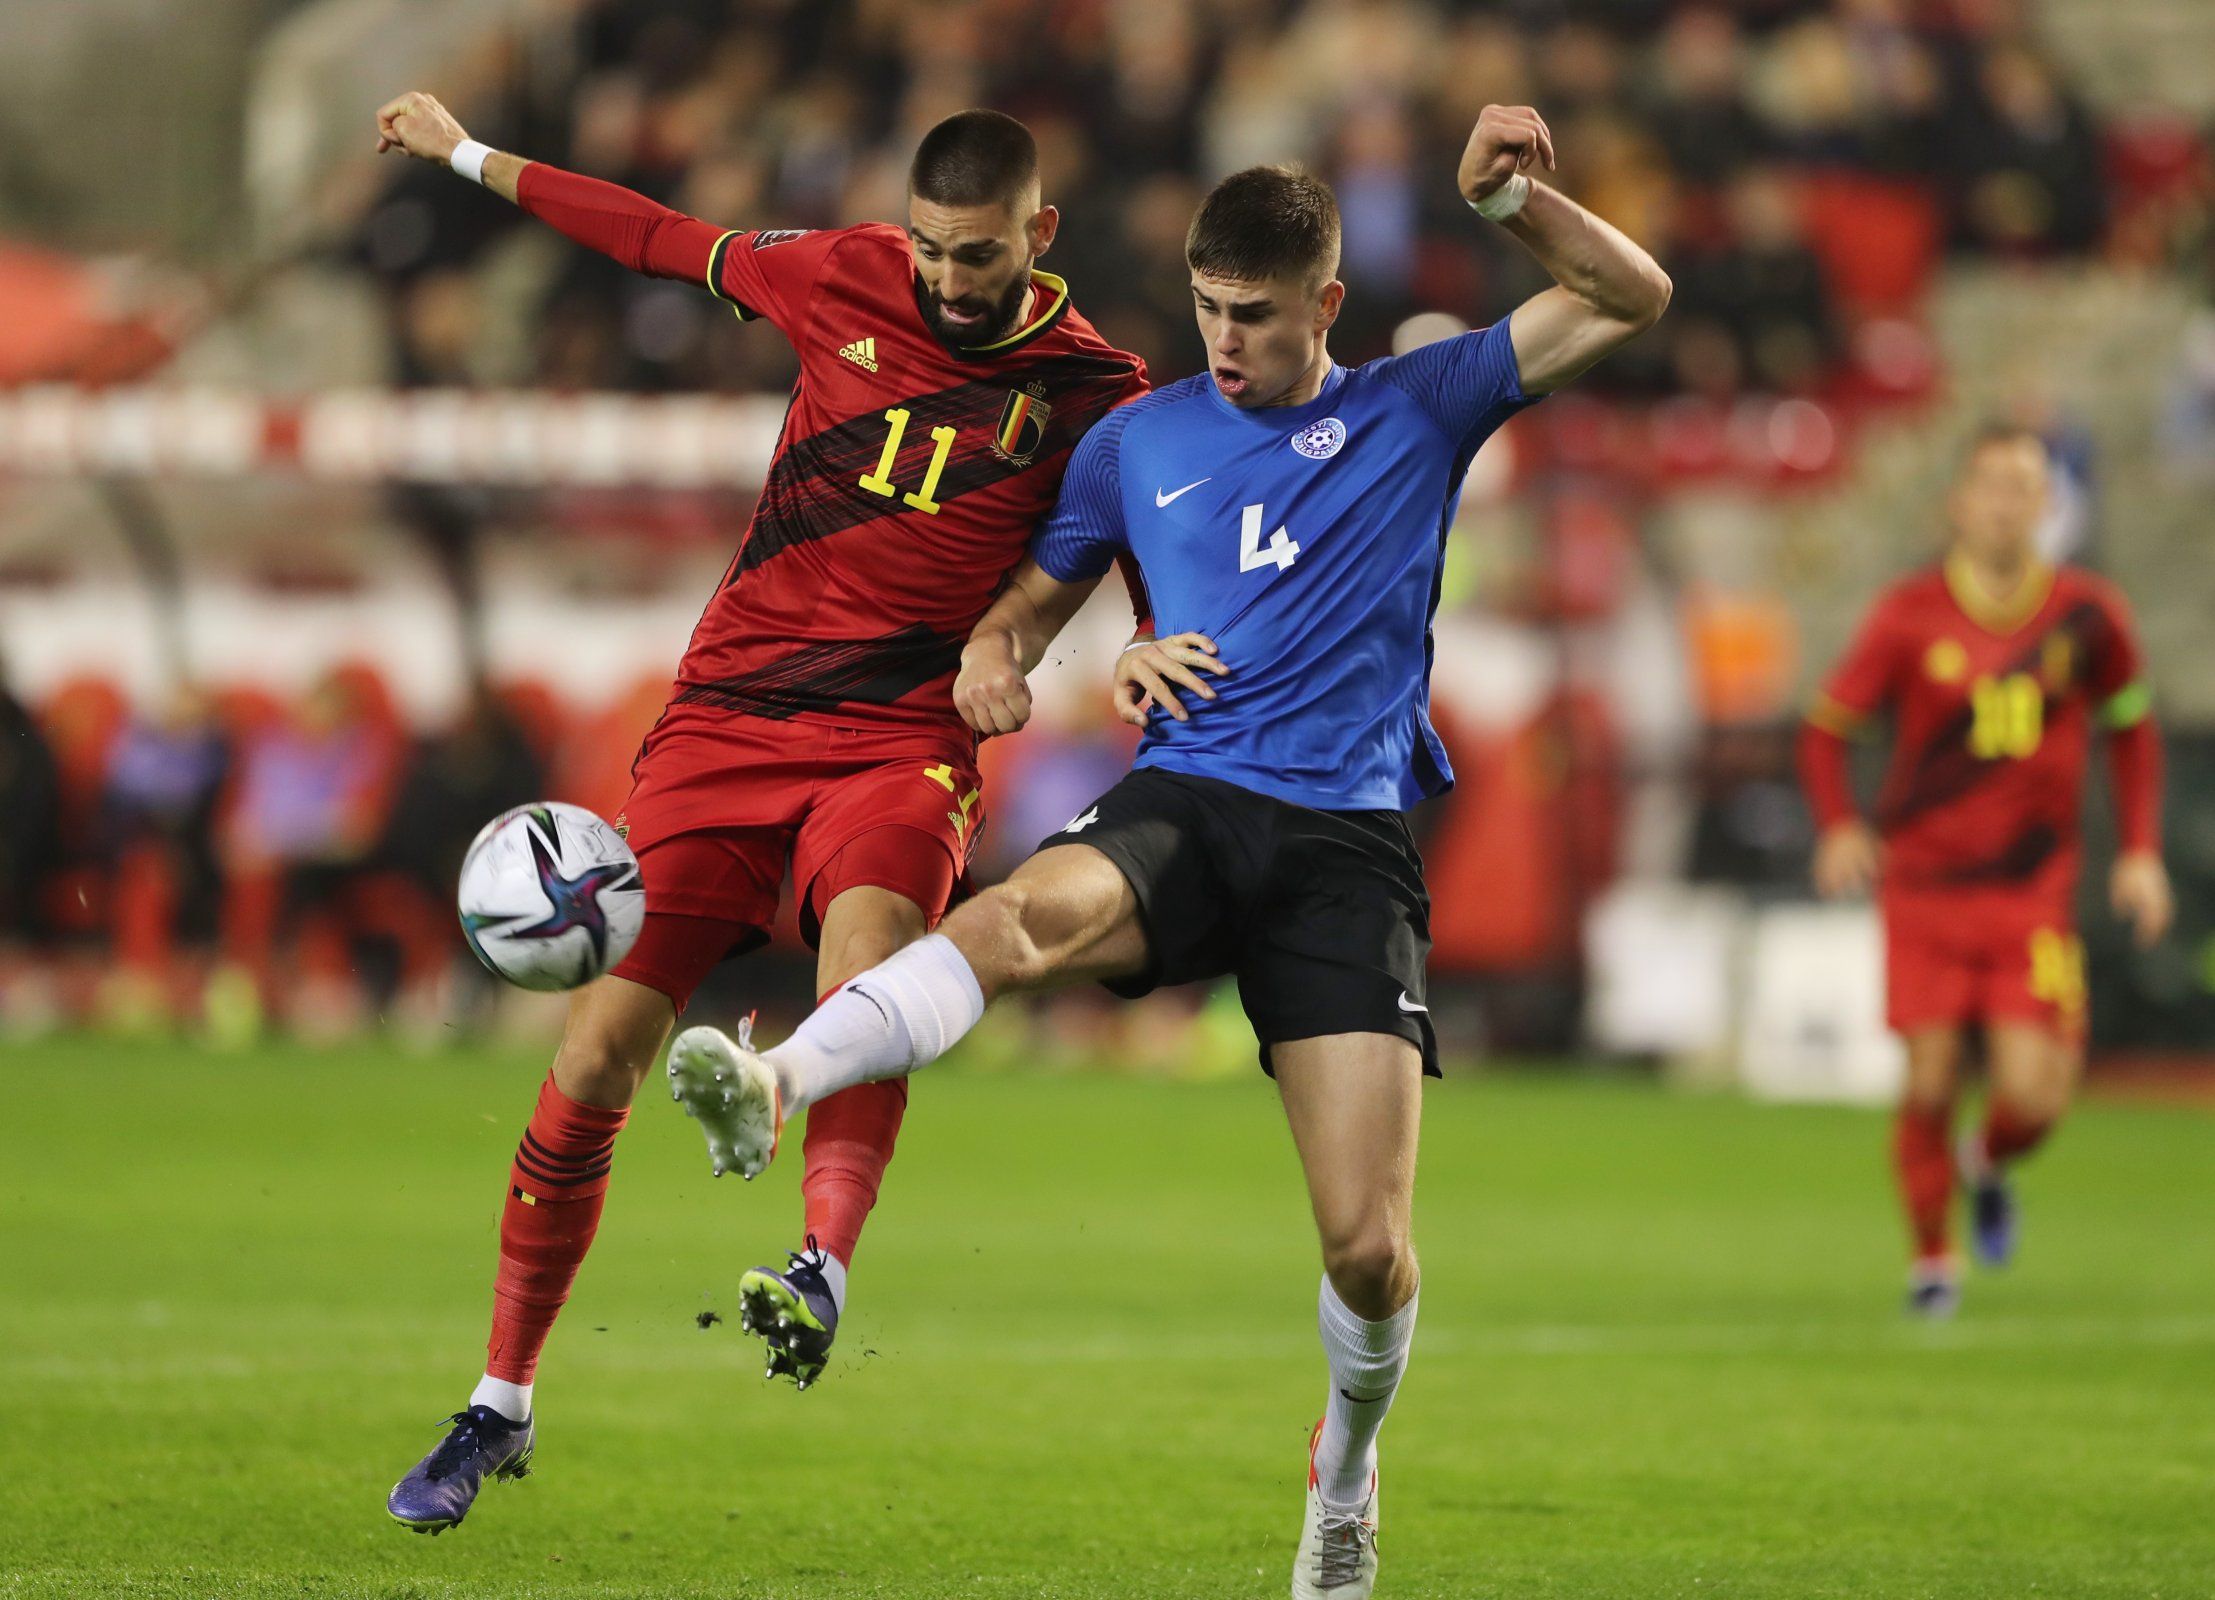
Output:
[[1044, 223], [1329, 301]]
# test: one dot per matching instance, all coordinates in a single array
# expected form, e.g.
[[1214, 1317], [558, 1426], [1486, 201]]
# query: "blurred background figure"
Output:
[[30, 848]]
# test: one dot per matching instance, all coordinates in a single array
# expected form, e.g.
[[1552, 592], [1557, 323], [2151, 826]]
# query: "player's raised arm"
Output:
[[1610, 290], [642, 234]]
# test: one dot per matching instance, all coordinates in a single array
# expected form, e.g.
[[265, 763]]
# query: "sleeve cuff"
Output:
[[1836, 717], [745, 313]]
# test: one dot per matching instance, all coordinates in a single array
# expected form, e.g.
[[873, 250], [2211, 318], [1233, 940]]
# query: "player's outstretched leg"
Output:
[[557, 1184]]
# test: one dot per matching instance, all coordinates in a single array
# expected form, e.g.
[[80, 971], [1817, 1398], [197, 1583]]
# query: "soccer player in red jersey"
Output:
[[1994, 667], [944, 380]]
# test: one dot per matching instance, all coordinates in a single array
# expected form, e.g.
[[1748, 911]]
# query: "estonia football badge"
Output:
[[1022, 426], [1320, 440]]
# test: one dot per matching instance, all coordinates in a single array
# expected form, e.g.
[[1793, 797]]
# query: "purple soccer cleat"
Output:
[[794, 1313], [439, 1491]]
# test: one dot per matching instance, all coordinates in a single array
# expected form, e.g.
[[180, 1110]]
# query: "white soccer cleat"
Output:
[[1338, 1548], [732, 1093]]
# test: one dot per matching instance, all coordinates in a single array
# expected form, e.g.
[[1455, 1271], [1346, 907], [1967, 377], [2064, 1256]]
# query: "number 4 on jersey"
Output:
[[1280, 552]]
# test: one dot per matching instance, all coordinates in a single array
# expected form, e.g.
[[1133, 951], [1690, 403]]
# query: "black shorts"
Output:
[[1321, 915]]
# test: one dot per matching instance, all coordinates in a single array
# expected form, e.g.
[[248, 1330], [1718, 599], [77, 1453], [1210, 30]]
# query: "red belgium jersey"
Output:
[[903, 489], [1993, 706]]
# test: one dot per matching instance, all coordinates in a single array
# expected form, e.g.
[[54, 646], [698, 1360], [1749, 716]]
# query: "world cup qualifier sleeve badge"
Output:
[[1022, 428]]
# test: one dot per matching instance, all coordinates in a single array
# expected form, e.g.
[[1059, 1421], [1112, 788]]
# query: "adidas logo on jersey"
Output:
[[862, 353]]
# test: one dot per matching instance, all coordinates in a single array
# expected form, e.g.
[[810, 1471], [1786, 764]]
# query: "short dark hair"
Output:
[[975, 158], [1266, 222]]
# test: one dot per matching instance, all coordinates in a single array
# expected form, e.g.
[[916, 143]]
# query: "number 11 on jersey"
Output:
[[1280, 552], [880, 481]]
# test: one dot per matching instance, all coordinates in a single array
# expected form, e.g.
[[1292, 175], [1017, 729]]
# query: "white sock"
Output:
[[511, 1400], [1366, 1360], [901, 1014], [834, 1278]]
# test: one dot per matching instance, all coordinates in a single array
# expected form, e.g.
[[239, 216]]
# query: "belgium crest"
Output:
[[1022, 426]]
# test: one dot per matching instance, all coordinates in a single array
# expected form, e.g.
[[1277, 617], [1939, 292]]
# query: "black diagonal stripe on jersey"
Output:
[[1947, 770], [834, 672], [814, 491], [2022, 858]]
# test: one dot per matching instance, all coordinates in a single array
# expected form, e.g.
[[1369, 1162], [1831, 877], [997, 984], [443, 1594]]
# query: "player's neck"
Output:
[[2000, 575]]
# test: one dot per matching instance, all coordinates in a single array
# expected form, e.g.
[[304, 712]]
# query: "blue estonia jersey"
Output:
[[1307, 542]]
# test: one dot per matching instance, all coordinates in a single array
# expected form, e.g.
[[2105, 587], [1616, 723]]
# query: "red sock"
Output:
[[849, 1142], [1922, 1156], [2009, 1134], [556, 1186]]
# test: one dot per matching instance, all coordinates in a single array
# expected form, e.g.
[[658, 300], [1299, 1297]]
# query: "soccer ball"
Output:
[[550, 896]]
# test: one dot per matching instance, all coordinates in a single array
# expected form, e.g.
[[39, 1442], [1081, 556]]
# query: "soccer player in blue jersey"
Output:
[[1289, 517]]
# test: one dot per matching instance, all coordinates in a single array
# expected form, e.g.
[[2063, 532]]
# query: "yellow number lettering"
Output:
[[943, 438], [2007, 717], [2057, 969], [880, 481]]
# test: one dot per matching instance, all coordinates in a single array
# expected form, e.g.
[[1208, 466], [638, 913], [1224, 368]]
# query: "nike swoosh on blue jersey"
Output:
[[1161, 499]]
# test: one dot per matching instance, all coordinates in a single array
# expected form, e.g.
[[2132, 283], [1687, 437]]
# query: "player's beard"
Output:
[[996, 324]]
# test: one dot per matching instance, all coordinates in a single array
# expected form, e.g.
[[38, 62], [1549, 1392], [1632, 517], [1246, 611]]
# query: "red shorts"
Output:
[[1955, 957], [721, 807]]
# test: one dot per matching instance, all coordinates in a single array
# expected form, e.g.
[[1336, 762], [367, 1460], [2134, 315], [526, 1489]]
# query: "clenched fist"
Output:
[[1507, 140], [416, 123], [991, 692]]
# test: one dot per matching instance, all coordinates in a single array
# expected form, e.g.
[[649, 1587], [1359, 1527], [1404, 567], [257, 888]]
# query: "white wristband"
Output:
[[468, 159], [1503, 202]]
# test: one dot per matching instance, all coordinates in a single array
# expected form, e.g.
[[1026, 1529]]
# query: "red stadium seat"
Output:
[[1878, 239]]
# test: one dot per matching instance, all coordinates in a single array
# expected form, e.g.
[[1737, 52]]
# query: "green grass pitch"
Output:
[[1659, 1355]]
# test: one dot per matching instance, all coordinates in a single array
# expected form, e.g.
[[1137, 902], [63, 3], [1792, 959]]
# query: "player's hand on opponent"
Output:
[[991, 692], [1507, 140], [1845, 861], [416, 123], [2138, 889], [1145, 672]]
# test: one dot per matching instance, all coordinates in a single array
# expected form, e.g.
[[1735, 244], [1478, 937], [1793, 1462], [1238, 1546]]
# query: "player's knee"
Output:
[[600, 1066], [1006, 920], [1923, 1100], [2037, 1107], [1371, 1267]]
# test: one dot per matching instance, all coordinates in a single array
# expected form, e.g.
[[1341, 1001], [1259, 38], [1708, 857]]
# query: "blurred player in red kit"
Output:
[[1994, 667], [944, 380]]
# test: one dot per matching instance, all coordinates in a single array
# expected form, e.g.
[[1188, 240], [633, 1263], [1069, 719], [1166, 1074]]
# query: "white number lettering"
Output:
[[1280, 552]]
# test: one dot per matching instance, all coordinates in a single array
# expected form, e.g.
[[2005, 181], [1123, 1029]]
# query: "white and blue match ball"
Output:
[[550, 896]]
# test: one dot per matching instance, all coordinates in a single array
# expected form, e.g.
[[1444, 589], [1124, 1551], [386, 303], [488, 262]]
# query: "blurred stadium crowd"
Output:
[[1792, 162], [1804, 168]]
